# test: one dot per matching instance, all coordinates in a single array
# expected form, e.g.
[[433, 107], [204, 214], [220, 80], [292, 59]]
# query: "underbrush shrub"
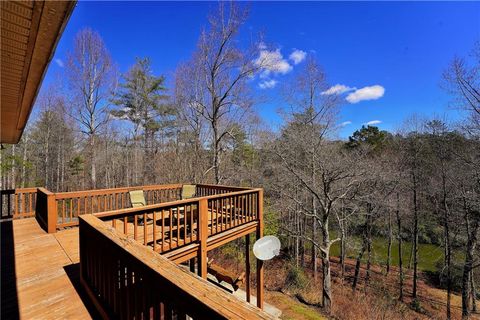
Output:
[[296, 278], [431, 235], [230, 251], [416, 306], [438, 278]]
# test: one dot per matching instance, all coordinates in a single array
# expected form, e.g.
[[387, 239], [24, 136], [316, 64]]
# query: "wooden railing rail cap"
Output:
[[220, 186], [45, 191], [18, 190], [73, 194], [197, 289]]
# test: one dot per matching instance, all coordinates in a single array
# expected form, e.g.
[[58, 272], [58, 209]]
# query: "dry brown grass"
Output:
[[377, 300]]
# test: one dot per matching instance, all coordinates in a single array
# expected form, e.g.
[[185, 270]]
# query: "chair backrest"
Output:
[[137, 198], [188, 191]]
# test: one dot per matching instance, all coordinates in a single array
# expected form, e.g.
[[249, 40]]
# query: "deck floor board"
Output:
[[37, 284]]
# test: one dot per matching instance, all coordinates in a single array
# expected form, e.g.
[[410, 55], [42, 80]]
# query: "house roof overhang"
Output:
[[30, 31]]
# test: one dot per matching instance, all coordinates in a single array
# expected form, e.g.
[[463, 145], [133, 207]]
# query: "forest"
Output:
[[352, 214]]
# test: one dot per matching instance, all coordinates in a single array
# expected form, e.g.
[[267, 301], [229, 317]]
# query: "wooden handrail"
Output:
[[149, 284], [60, 210], [218, 186], [18, 190], [73, 194]]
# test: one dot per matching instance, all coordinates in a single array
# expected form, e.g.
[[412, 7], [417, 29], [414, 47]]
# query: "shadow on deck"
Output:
[[9, 296], [40, 273]]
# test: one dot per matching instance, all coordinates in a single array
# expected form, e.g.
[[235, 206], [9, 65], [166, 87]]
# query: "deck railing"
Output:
[[172, 225], [127, 281], [18, 203], [70, 205]]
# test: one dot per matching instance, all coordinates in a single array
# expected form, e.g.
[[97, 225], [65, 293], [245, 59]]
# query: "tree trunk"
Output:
[[304, 243], [468, 266], [390, 238], [314, 248], [93, 172], [415, 236], [357, 265], [343, 250], [448, 251], [216, 153], [369, 246], [473, 292], [400, 251], [326, 270], [24, 162], [46, 159]]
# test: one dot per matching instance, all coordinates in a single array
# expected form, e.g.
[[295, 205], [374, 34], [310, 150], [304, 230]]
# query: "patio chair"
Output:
[[188, 191], [137, 199]]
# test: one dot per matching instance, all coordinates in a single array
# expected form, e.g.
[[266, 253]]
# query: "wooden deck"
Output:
[[40, 273], [40, 259]]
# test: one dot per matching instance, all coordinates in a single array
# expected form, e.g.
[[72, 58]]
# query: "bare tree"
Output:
[[322, 171], [218, 76], [91, 76], [462, 80]]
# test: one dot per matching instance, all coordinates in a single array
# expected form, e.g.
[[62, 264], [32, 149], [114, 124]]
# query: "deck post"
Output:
[[247, 266], [203, 235], [192, 264], [52, 213], [260, 262], [46, 210]]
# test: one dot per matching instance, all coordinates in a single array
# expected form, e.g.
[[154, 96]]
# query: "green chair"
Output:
[[137, 199], [188, 191]]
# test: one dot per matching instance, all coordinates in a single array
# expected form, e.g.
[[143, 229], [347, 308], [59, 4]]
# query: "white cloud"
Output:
[[345, 123], [337, 89], [268, 84], [373, 122], [59, 63], [297, 56], [272, 62], [366, 93]]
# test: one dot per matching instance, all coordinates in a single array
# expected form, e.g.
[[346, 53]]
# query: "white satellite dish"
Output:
[[266, 248]]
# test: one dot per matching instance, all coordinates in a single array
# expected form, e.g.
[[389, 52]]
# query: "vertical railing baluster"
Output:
[[178, 225], [135, 224], [170, 231], [63, 210], [163, 230], [145, 229], [154, 230], [184, 224]]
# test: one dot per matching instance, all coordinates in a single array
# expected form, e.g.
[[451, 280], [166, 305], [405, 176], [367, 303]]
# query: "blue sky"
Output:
[[400, 47]]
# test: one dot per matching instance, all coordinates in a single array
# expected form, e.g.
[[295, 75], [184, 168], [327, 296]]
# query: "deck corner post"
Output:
[[247, 267], [260, 262], [203, 235], [52, 213], [46, 210]]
